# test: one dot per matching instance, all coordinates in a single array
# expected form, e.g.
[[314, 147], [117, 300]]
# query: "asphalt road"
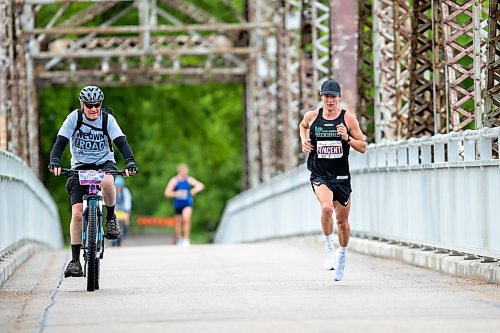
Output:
[[262, 287]]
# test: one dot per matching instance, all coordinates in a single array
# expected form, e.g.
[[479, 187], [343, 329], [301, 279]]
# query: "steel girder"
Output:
[[112, 54], [391, 65], [492, 95], [18, 101], [402, 45], [6, 68], [365, 102], [384, 70], [421, 99], [289, 84], [343, 57], [463, 26], [441, 116]]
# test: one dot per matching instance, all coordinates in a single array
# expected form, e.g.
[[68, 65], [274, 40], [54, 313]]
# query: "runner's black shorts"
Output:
[[77, 191], [341, 189], [178, 210]]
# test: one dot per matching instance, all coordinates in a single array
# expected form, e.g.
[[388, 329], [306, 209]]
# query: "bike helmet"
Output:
[[119, 181], [91, 94]]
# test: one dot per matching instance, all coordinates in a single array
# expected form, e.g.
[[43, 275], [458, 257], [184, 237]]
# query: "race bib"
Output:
[[90, 177], [330, 149]]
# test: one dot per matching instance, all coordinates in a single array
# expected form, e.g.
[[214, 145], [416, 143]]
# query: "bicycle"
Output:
[[93, 243]]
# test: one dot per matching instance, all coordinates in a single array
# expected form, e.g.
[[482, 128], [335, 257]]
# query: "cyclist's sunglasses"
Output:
[[92, 105]]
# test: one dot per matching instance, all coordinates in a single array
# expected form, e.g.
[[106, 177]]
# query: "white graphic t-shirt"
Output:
[[89, 144]]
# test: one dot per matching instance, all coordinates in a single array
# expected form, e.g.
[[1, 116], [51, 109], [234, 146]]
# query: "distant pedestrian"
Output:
[[327, 134], [183, 188]]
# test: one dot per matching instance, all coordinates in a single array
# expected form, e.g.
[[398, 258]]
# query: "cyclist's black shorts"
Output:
[[77, 191], [341, 189]]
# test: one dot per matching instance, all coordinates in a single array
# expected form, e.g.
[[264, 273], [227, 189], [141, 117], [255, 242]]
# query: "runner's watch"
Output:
[[348, 138]]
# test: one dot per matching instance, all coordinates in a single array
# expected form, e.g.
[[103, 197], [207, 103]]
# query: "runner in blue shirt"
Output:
[[182, 188]]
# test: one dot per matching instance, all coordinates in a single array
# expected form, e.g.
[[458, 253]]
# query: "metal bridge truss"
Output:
[[447, 79], [414, 70]]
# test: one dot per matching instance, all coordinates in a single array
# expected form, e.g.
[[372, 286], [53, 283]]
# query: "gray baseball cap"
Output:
[[330, 87]]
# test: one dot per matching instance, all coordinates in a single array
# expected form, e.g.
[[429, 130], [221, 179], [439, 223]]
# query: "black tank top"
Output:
[[329, 159]]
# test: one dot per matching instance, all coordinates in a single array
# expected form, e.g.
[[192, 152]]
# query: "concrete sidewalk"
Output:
[[260, 287]]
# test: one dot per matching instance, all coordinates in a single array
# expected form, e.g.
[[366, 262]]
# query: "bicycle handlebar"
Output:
[[71, 172]]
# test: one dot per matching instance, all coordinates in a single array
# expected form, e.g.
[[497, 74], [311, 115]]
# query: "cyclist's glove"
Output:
[[131, 167], [54, 163]]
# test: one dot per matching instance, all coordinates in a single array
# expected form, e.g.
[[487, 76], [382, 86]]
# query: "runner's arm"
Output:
[[169, 190], [198, 186], [304, 125], [357, 137]]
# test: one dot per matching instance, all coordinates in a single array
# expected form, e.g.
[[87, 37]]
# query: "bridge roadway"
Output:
[[261, 287]]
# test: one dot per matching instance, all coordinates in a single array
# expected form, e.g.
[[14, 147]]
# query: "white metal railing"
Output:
[[441, 191], [27, 210]]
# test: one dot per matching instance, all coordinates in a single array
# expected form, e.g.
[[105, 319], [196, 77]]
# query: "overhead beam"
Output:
[[160, 28]]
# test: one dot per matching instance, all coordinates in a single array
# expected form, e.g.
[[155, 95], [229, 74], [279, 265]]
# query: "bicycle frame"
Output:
[[94, 198], [93, 243]]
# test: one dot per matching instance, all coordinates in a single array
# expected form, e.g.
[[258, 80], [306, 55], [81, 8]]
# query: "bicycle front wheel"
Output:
[[92, 265]]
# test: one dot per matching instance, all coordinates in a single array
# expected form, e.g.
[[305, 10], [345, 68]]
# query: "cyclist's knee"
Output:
[[76, 213], [76, 218], [107, 182]]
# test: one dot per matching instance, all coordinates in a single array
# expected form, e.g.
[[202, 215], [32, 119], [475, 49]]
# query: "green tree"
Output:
[[200, 125]]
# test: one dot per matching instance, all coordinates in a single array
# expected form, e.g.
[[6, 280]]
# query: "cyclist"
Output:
[[179, 188], [90, 131], [123, 207]]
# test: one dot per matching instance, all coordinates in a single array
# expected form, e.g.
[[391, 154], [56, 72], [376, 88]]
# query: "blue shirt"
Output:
[[187, 200]]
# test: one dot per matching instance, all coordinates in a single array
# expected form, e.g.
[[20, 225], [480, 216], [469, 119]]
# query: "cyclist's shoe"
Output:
[[338, 274], [112, 228], [329, 262], [74, 269]]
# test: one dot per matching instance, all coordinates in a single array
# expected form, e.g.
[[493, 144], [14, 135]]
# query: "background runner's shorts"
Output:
[[77, 191], [341, 188], [179, 205]]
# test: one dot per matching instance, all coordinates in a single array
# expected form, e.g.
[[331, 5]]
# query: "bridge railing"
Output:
[[441, 191], [27, 210]]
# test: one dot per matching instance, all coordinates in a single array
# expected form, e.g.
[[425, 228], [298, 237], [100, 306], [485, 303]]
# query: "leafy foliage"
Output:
[[200, 125], [165, 125]]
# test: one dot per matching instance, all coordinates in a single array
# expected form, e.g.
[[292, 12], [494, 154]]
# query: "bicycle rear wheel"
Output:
[[92, 264], [96, 275]]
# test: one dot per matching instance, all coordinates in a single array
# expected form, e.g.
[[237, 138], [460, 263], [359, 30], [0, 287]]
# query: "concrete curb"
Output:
[[444, 263], [14, 258]]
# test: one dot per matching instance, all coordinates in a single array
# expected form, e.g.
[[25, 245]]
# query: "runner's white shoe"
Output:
[[338, 274], [185, 242], [329, 262]]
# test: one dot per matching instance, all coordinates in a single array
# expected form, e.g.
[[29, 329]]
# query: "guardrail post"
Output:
[[439, 148], [426, 150], [402, 153], [413, 152], [454, 147], [469, 146]]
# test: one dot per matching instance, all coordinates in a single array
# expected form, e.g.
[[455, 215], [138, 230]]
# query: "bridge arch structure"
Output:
[[408, 69]]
